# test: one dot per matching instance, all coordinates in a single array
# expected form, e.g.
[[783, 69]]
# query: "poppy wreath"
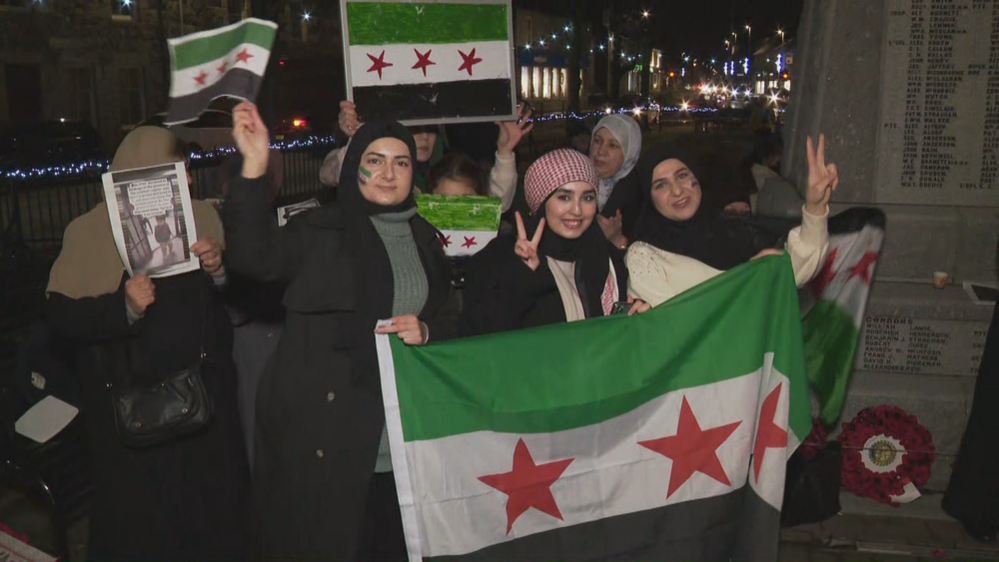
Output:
[[887, 455], [816, 440]]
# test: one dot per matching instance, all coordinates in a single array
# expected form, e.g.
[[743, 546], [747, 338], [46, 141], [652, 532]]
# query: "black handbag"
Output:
[[175, 406]]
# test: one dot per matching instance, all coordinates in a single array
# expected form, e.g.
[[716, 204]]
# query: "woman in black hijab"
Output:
[[680, 244], [558, 268], [323, 486]]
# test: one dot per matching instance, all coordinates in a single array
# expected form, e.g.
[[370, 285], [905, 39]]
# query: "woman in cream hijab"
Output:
[[180, 500]]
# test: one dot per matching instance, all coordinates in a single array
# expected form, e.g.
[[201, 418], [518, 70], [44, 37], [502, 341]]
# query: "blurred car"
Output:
[[49, 143], [210, 131], [292, 128]]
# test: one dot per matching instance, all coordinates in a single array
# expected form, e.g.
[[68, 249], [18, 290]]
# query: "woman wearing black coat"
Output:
[[183, 499], [322, 482]]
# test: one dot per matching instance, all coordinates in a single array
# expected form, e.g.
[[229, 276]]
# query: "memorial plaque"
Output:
[[938, 139], [918, 346]]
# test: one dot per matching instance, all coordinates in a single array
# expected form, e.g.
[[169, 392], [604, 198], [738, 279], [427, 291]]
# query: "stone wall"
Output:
[[905, 92]]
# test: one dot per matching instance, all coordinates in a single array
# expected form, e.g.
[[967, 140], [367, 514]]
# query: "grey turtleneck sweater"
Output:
[[409, 286]]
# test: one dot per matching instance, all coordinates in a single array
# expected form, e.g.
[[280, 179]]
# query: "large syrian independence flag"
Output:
[[229, 61], [833, 304], [415, 61], [657, 437]]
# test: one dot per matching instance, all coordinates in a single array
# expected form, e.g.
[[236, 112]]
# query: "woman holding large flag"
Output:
[[680, 244], [323, 485], [558, 268]]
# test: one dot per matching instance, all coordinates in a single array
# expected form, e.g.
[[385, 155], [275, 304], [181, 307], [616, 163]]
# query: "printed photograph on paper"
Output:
[[151, 219]]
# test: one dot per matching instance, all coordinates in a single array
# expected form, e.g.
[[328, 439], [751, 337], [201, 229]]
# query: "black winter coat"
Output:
[[319, 407], [502, 293]]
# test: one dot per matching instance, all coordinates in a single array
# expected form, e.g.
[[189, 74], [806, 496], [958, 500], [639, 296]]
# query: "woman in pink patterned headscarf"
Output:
[[559, 267]]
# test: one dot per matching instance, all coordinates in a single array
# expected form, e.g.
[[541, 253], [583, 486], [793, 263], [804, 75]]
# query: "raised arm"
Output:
[[809, 243], [256, 246], [503, 176]]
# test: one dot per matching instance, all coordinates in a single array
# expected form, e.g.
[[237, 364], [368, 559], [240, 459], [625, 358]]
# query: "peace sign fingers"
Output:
[[525, 249]]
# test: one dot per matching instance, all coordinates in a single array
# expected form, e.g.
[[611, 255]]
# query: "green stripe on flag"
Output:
[[459, 212], [565, 376], [830, 343], [384, 23], [207, 49]]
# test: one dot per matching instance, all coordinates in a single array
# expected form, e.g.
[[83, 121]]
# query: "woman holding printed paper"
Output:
[[324, 489], [180, 499]]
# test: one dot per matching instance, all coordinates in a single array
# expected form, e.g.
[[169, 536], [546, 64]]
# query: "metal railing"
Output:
[[35, 212]]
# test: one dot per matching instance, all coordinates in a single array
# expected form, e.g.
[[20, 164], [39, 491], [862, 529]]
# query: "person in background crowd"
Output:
[[614, 151], [323, 486], [430, 148], [456, 174], [255, 310], [579, 135], [183, 499], [681, 245], [973, 493], [558, 268], [770, 194]]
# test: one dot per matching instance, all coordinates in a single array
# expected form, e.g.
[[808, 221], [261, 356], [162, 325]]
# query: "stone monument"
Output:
[[907, 94]]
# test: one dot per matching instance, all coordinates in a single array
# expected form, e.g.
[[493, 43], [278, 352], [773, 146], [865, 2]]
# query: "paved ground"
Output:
[[860, 538]]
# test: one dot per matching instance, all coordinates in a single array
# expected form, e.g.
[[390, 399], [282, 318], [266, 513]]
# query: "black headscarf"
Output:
[[349, 192], [708, 237], [372, 269], [590, 252]]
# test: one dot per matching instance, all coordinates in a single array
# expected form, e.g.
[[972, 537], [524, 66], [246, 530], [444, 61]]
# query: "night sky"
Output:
[[695, 26]]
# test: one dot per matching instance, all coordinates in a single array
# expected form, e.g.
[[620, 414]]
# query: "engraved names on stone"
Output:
[[938, 140], [911, 345]]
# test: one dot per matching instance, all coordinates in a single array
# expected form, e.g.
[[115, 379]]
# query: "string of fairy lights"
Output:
[[98, 166]]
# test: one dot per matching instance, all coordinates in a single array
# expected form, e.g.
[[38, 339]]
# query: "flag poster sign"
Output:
[[229, 61], [467, 223], [421, 62], [618, 437]]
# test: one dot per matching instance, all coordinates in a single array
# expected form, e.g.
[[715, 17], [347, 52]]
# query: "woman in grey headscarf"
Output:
[[614, 150]]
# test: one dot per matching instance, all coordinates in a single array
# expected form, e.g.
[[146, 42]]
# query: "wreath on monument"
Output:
[[887, 455]]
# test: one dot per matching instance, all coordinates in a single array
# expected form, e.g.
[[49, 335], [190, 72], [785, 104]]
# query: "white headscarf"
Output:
[[627, 132]]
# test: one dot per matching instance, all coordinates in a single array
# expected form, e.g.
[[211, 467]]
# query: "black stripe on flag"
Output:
[[735, 526], [238, 82], [471, 98]]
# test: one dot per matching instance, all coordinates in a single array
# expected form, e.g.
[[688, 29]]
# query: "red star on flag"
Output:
[[768, 434], [528, 484], [378, 63], [222, 67], [469, 60], [445, 240], [469, 242], [825, 275], [863, 267], [243, 57], [692, 449], [200, 78], [423, 61]]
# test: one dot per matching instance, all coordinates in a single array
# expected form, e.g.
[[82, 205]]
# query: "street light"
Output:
[[306, 16], [645, 14], [781, 33], [541, 42], [749, 30]]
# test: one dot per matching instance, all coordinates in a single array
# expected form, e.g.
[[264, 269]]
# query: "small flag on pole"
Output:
[[228, 61]]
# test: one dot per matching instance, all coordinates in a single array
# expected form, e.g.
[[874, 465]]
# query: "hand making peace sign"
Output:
[[822, 179], [526, 249]]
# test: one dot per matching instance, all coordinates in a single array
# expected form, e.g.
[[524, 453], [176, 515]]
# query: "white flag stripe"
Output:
[[611, 474], [850, 248], [184, 82], [447, 60], [770, 487], [466, 242]]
